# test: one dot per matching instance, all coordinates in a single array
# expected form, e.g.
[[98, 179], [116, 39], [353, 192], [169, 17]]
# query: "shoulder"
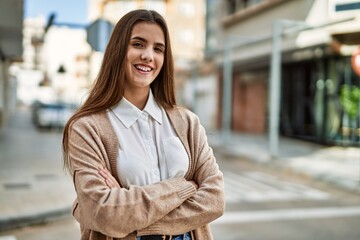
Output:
[[94, 121], [184, 114], [184, 120]]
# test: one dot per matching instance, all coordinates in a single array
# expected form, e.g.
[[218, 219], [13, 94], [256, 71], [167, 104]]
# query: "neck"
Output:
[[138, 98]]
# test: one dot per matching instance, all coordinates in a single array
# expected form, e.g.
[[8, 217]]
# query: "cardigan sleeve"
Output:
[[116, 212], [208, 202]]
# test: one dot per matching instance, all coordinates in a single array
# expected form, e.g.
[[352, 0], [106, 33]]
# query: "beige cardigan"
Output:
[[169, 207]]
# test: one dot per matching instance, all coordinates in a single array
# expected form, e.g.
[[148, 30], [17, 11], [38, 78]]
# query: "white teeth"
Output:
[[143, 68]]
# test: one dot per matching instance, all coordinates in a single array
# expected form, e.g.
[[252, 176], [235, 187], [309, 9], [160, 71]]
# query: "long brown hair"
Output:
[[108, 88]]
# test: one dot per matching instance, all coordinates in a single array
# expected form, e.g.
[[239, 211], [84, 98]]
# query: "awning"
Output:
[[349, 38]]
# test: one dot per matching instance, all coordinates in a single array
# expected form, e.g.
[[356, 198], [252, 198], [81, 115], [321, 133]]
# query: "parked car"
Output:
[[51, 115]]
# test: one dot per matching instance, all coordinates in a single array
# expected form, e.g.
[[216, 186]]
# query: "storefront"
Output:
[[320, 99]]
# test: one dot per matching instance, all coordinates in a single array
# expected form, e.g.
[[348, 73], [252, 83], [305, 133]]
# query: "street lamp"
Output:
[[61, 69], [275, 80]]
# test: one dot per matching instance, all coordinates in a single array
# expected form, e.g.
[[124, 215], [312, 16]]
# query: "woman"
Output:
[[141, 166]]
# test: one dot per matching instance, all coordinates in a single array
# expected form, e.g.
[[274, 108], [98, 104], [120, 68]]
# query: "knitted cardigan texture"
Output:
[[170, 207]]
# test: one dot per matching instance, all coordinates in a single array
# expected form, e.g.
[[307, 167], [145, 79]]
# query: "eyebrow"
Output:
[[144, 40]]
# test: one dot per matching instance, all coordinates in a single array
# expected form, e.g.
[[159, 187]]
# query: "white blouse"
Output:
[[149, 149]]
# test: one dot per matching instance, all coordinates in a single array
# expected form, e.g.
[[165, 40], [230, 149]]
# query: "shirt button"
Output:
[[156, 172]]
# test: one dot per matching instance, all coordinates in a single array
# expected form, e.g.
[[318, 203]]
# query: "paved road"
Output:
[[269, 203], [262, 202]]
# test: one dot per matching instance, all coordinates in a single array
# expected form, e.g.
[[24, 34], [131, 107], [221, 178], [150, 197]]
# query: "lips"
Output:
[[143, 68]]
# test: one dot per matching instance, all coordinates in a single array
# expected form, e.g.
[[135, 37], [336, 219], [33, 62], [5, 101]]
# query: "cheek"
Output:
[[130, 56], [160, 63], [127, 60]]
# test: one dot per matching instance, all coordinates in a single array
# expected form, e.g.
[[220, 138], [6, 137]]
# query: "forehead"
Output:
[[149, 31]]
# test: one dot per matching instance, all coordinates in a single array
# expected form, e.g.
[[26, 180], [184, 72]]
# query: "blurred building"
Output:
[[56, 64], [186, 23], [320, 86], [185, 19], [11, 17]]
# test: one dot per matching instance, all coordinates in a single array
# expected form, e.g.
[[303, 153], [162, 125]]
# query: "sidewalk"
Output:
[[336, 165], [33, 186]]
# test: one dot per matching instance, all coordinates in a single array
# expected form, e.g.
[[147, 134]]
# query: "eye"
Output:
[[159, 49], [137, 44]]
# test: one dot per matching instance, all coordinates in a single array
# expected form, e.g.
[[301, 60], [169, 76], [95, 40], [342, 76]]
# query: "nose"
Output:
[[147, 55]]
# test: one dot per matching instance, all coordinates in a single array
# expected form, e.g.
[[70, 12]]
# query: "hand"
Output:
[[194, 184], [108, 178]]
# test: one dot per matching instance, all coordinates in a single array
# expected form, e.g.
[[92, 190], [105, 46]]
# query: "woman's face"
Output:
[[145, 55]]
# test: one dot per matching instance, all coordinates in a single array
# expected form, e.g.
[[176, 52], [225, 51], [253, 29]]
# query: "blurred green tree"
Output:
[[349, 98]]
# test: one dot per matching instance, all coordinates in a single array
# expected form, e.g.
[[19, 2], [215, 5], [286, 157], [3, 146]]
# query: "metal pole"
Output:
[[227, 90], [274, 108]]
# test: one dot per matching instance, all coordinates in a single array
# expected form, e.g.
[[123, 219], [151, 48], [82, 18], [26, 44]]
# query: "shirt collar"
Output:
[[153, 109], [128, 113]]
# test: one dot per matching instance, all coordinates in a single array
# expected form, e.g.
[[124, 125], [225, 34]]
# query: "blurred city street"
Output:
[[262, 201], [276, 85]]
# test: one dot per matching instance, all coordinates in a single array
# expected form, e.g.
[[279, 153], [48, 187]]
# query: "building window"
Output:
[[347, 6], [231, 6], [237, 5]]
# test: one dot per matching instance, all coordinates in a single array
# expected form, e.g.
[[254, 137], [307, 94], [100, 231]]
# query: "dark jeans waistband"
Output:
[[186, 236], [156, 237]]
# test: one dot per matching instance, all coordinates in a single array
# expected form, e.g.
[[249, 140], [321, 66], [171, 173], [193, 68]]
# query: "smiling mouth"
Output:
[[143, 68]]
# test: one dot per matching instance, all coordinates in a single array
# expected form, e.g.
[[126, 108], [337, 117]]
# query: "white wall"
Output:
[[201, 95], [2, 92], [312, 13]]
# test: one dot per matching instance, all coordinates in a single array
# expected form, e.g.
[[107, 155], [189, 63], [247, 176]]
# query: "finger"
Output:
[[113, 182], [110, 183], [103, 174], [108, 178], [106, 170]]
